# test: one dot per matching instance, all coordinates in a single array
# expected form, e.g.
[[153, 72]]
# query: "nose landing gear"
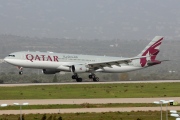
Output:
[[20, 70]]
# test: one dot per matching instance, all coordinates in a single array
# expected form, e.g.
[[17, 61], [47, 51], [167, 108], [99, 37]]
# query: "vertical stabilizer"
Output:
[[151, 50]]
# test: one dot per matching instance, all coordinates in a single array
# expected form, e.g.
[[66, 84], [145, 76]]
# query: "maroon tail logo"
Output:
[[152, 51]]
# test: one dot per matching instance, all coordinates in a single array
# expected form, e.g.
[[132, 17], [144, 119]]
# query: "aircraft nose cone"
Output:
[[6, 59]]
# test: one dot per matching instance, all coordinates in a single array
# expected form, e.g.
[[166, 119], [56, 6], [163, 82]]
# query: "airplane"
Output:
[[52, 63]]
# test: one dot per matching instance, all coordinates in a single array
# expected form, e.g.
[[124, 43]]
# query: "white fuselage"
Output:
[[60, 61]]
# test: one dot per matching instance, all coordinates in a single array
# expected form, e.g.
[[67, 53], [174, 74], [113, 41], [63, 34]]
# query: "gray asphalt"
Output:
[[83, 110], [76, 83], [91, 101]]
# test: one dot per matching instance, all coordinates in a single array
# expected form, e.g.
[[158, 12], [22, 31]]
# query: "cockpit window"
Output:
[[11, 55]]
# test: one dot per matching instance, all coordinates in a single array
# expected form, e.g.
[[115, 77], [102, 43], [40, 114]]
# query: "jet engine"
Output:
[[79, 68], [50, 71]]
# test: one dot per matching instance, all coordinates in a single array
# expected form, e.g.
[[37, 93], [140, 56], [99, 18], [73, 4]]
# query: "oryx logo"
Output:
[[151, 51]]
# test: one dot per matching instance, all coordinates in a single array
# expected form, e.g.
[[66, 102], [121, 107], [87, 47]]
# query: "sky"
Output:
[[91, 19]]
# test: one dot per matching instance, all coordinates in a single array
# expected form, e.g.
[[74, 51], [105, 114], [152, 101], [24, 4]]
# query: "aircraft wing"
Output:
[[97, 65]]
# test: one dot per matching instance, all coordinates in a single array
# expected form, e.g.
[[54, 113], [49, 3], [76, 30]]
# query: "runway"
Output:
[[90, 101], [81, 83], [84, 110]]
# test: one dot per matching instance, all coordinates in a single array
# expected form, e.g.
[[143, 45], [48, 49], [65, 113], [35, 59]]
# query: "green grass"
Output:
[[134, 90], [150, 115], [85, 105]]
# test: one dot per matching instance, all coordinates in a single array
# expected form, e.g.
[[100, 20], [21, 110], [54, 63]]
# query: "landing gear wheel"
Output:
[[90, 76], [20, 72], [74, 77], [95, 79], [79, 79]]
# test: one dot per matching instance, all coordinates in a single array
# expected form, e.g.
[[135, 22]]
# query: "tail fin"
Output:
[[151, 50]]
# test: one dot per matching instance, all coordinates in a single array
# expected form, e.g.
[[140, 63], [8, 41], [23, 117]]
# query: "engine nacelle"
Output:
[[50, 71], [79, 68]]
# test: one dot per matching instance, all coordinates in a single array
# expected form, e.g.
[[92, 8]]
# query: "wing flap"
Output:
[[97, 65]]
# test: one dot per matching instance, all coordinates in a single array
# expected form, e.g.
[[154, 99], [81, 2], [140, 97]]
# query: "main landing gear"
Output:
[[75, 76], [93, 77]]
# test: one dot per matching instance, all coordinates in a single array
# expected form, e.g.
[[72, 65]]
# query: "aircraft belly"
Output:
[[117, 69]]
